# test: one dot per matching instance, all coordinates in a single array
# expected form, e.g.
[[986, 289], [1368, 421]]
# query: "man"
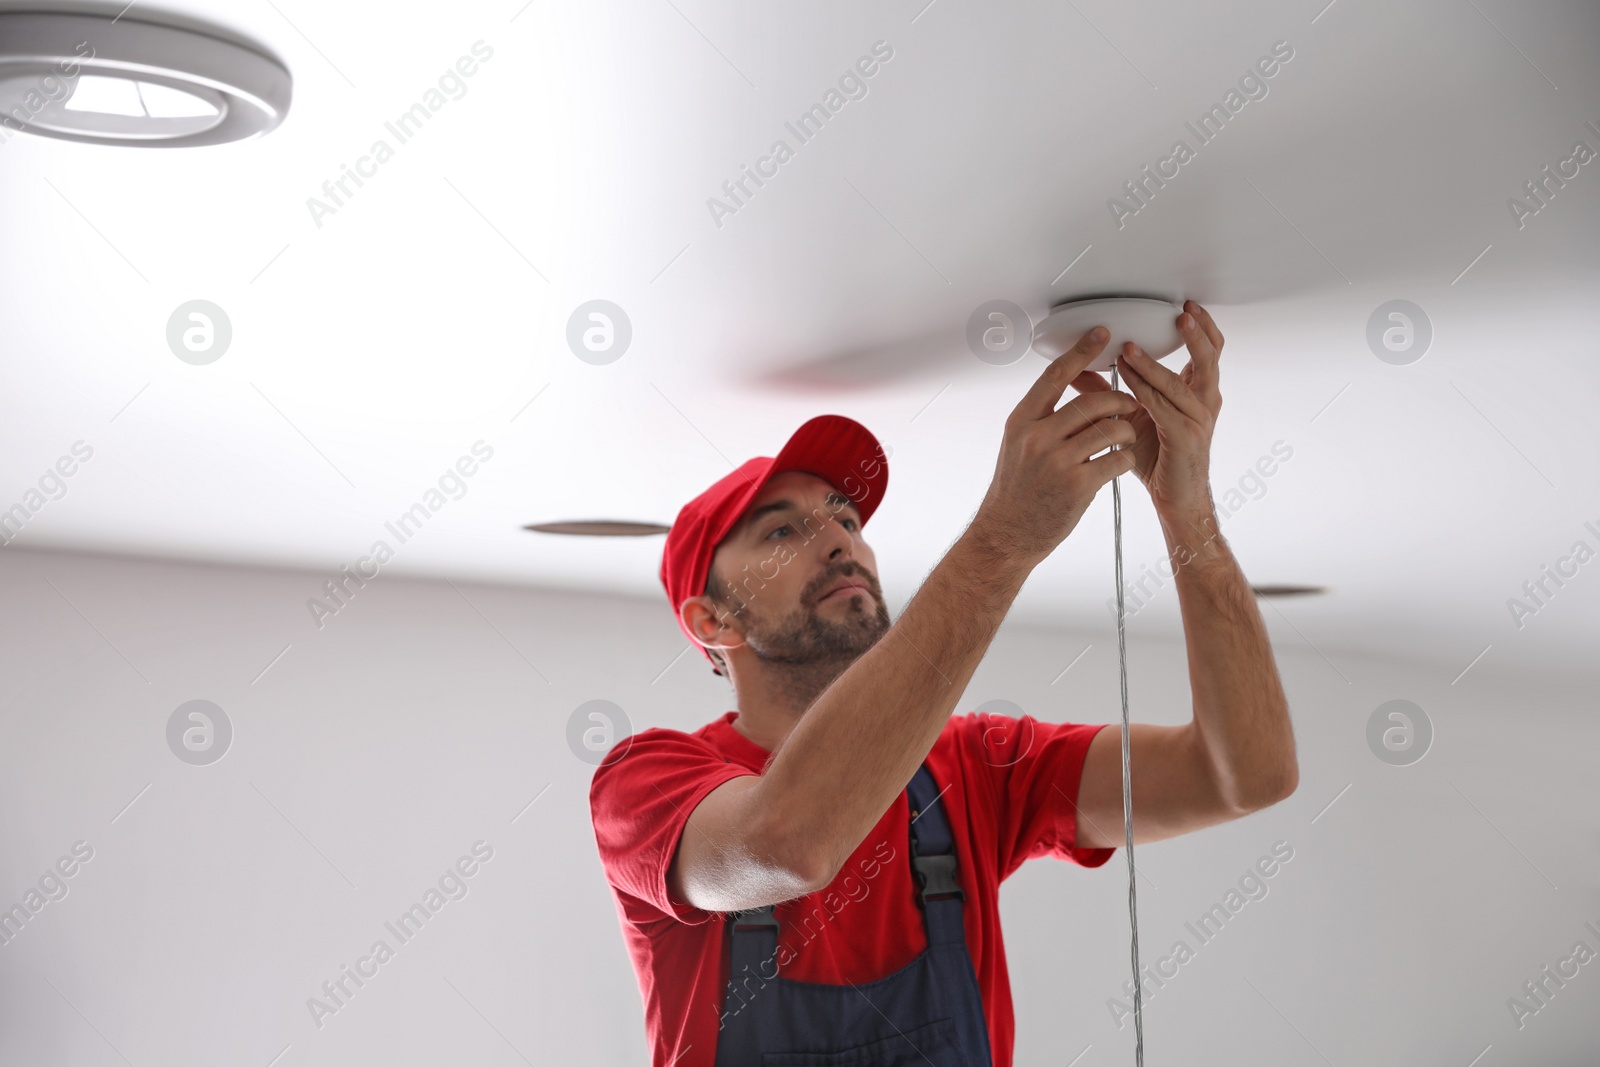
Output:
[[777, 894]]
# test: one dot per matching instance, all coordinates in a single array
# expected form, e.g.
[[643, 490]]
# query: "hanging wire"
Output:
[[1127, 775]]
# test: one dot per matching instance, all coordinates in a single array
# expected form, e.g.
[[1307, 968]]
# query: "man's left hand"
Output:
[[1172, 451]]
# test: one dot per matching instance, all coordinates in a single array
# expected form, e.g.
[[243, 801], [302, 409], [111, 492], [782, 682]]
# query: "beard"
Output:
[[813, 645]]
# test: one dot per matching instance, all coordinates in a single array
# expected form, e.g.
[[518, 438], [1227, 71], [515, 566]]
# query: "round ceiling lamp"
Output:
[[600, 528], [1149, 322], [119, 81]]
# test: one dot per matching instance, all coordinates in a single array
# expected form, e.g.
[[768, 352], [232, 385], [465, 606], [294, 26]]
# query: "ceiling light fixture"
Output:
[[117, 81], [600, 528], [1149, 322]]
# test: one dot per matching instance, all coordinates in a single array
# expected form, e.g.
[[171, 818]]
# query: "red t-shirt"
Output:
[[1010, 793]]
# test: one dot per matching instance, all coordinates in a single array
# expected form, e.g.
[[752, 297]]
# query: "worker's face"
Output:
[[798, 538]]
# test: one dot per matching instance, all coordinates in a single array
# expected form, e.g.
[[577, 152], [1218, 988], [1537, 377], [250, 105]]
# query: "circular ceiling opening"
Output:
[[120, 81]]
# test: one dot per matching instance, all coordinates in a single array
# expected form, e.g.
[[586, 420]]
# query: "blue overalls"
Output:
[[927, 1014]]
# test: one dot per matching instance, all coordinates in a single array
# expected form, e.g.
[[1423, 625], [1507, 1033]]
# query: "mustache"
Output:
[[854, 571]]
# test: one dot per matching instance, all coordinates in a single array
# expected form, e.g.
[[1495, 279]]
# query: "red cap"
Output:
[[838, 450]]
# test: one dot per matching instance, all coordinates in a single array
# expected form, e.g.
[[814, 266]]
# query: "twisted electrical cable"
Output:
[[1127, 776]]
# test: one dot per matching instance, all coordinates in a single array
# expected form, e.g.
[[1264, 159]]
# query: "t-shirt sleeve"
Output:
[[1034, 769], [639, 800]]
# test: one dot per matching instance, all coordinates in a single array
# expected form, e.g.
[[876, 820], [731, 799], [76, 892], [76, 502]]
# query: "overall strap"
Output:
[[933, 862]]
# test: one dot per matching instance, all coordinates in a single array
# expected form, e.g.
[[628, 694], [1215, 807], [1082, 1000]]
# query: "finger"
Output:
[[1108, 466], [1204, 341], [1080, 411], [1041, 399], [1163, 383], [1099, 436], [1090, 382], [1207, 323], [1160, 408], [1201, 350]]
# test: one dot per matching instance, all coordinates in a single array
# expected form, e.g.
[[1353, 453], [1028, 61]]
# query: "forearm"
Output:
[[857, 746], [1241, 716]]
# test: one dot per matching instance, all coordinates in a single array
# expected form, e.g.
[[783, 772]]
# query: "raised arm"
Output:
[[1237, 755]]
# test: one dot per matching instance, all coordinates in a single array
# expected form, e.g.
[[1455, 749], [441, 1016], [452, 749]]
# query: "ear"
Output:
[[711, 624]]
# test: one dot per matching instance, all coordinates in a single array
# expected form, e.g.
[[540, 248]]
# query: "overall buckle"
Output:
[[937, 875], [755, 918]]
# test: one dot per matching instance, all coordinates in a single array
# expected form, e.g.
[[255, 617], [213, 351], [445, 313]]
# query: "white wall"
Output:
[[423, 718]]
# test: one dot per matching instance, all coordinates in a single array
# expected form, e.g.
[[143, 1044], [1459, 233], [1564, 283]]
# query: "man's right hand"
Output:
[[1044, 478]]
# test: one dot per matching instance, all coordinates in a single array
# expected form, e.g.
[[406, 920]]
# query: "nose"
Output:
[[836, 542]]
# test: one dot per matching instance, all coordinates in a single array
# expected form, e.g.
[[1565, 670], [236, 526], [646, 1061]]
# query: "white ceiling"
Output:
[[430, 310]]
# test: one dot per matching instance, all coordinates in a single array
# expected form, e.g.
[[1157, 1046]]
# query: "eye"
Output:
[[785, 526]]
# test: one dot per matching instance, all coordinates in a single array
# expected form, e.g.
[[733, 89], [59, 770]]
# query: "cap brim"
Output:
[[840, 451]]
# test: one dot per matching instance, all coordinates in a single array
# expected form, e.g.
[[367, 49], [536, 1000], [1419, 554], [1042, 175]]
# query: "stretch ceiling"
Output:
[[536, 157]]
